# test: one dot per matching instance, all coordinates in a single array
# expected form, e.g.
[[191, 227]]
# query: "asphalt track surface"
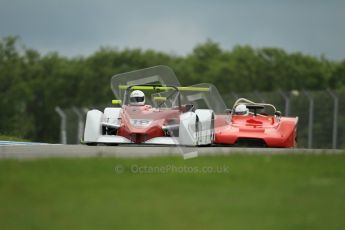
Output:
[[25, 150]]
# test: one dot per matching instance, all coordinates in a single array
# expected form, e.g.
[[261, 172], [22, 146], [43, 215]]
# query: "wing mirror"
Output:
[[278, 113], [160, 99], [116, 102], [190, 107], [228, 111]]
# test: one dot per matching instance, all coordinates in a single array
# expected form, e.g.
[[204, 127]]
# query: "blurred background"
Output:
[[57, 58]]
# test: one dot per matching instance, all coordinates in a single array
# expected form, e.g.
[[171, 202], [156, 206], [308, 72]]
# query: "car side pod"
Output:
[[92, 126], [96, 121], [111, 117], [188, 129], [196, 128], [205, 126]]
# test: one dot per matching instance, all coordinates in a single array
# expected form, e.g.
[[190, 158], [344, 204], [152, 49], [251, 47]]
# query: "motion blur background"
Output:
[[63, 53]]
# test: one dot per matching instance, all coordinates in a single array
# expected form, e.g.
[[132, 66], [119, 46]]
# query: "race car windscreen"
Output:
[[204, 99], [163, 75], [156, 96], [157, 75]]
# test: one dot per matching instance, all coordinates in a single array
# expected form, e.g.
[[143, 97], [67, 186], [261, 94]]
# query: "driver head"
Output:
[[137, 97], [241, 109]]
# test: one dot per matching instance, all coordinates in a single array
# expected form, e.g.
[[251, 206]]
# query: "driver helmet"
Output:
[[137, 97], [241, 109]]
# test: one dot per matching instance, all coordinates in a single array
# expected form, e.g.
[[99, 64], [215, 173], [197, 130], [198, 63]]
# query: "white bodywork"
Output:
[[195, 128], [161, 90]]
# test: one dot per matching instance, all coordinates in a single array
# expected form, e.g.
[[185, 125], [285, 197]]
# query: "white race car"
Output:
[[154, 110]]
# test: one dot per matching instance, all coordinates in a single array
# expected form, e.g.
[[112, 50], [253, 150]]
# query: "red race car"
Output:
[[153, 110], [255, 125]]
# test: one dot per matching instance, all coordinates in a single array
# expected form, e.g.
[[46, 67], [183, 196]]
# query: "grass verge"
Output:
[[11, 138], [234, 192]]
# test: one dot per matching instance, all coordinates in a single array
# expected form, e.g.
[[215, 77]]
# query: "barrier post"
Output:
[[62, 116], [80, 124], [335, 118], [310, 119]]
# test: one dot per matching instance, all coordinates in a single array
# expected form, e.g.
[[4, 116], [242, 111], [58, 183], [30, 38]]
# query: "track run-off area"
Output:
[[31, 150]]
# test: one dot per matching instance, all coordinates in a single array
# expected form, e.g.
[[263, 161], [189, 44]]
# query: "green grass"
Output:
[[11, 138], [258, 192]]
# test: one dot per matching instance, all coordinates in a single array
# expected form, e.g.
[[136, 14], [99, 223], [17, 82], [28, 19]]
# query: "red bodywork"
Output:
[[250, 130], [156, 119]]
